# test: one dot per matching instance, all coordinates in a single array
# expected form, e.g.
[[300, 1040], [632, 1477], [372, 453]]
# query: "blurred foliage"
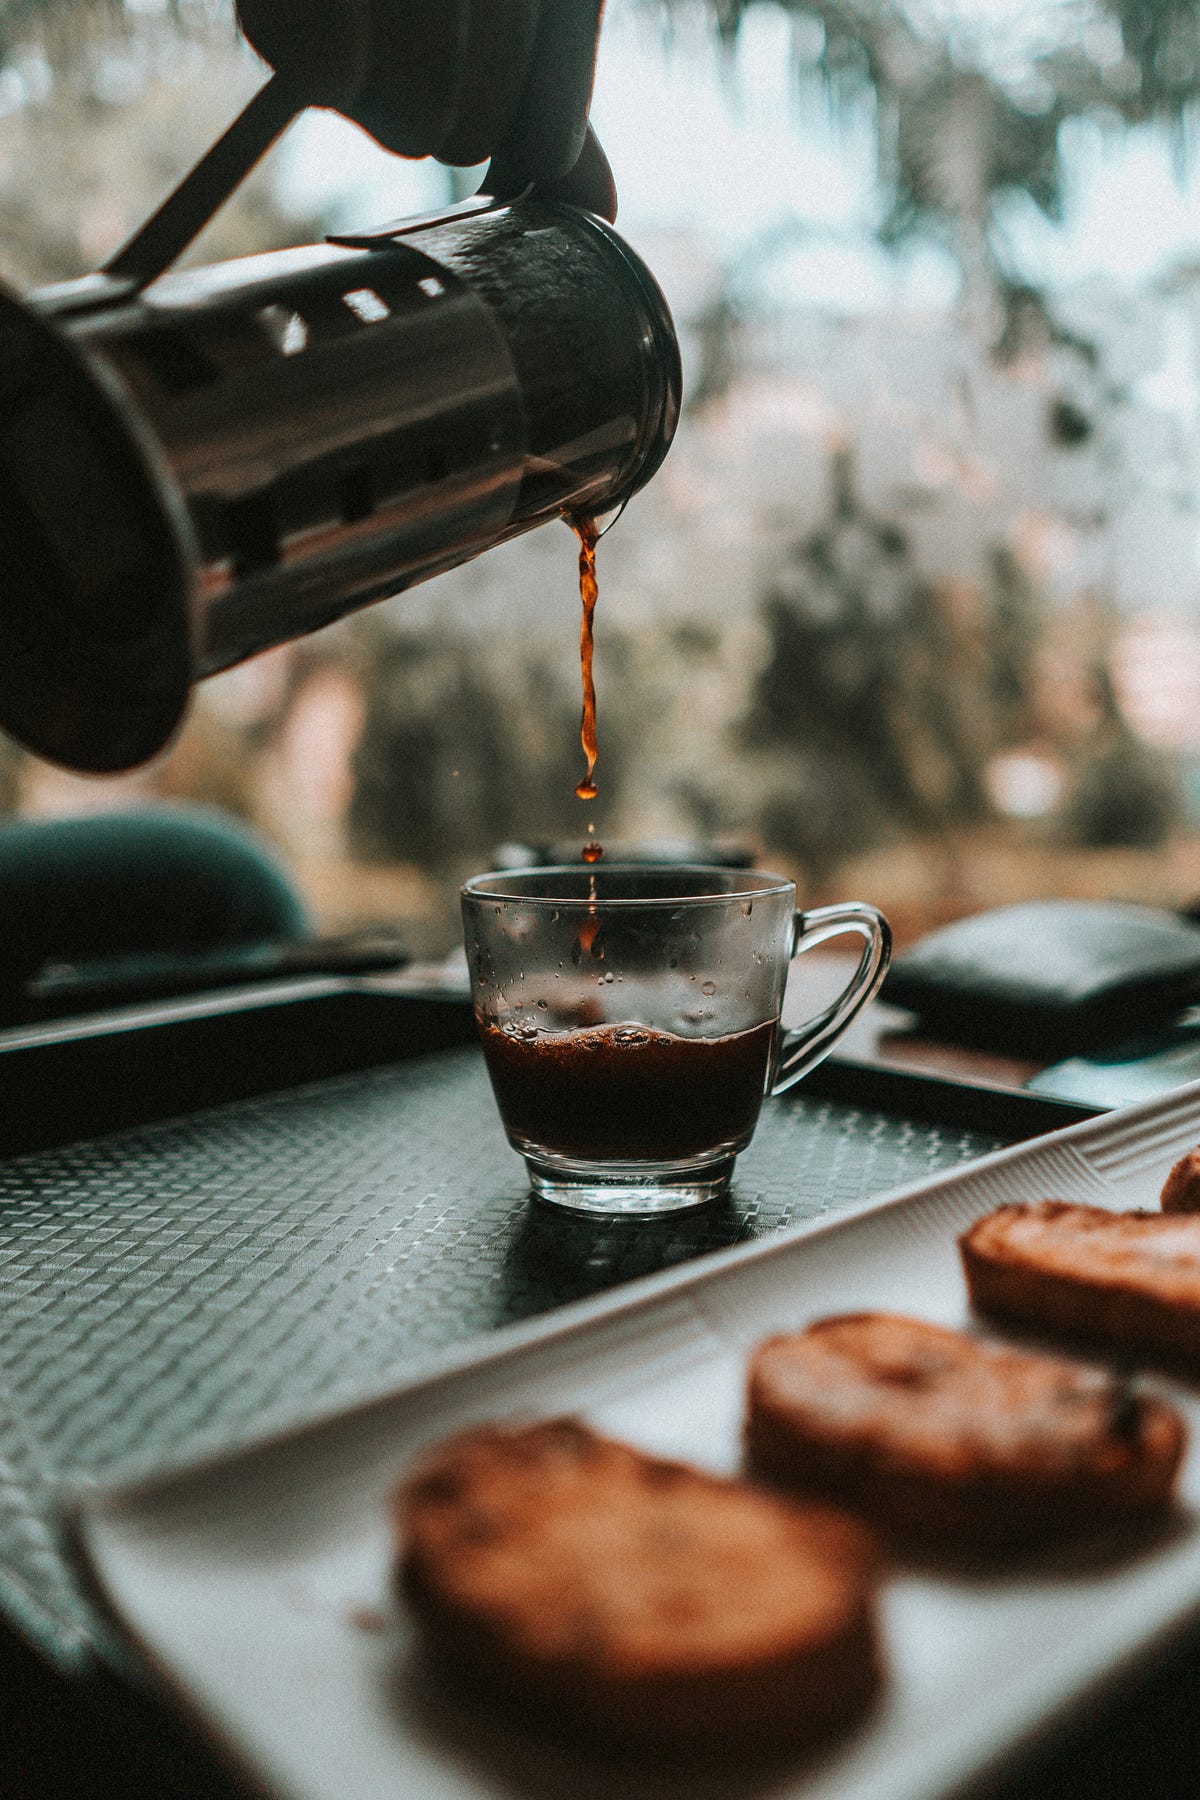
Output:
[[885, 694], [102, 108], [77, 36], [969, 104], [461, 751]]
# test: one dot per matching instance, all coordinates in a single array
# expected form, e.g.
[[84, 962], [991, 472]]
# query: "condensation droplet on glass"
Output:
[[747, 908], [543, 1005], [709, 989]]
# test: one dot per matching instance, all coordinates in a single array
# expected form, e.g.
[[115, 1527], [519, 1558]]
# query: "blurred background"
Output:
[[912, 612]]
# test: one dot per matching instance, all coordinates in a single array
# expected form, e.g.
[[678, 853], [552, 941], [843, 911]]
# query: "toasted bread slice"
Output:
[[948, 1442], [1127, 1282], [637, 1601], [1181, 1189]]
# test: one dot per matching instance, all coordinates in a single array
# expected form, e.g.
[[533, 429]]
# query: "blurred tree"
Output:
[[102, 107], [462, 750], [1123, 792], [970, 102], [882, 697]]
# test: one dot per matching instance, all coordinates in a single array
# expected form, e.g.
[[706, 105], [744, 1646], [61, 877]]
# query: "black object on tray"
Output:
[[1050, 977]]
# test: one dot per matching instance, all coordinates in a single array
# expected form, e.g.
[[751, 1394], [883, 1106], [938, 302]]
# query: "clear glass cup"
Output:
[[630, 1020]]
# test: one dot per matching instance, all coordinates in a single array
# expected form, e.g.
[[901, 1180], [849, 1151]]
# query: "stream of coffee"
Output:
[[584, 527]]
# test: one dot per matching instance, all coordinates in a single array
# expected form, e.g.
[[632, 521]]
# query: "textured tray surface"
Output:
[[170, 1289]]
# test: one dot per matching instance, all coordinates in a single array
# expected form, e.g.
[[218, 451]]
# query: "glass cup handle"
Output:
[[802, 1049]]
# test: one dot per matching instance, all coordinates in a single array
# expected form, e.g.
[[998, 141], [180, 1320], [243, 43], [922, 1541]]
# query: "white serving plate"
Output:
[[257, 1585]]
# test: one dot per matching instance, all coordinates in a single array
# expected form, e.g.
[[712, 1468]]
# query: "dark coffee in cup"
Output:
[[627, 1092]]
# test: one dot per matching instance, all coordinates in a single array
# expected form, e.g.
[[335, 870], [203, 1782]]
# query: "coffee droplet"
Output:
[[592, 852]]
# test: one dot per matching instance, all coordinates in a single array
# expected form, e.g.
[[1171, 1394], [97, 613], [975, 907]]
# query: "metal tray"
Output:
[[310, 1196]]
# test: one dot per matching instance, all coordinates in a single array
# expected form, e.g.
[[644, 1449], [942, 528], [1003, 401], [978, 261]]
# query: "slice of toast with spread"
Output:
[[948, 1442], [639, 1602], [1126, 1282]]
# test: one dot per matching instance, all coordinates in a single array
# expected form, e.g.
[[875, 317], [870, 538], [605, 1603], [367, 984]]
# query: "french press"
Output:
[[195, 466]]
